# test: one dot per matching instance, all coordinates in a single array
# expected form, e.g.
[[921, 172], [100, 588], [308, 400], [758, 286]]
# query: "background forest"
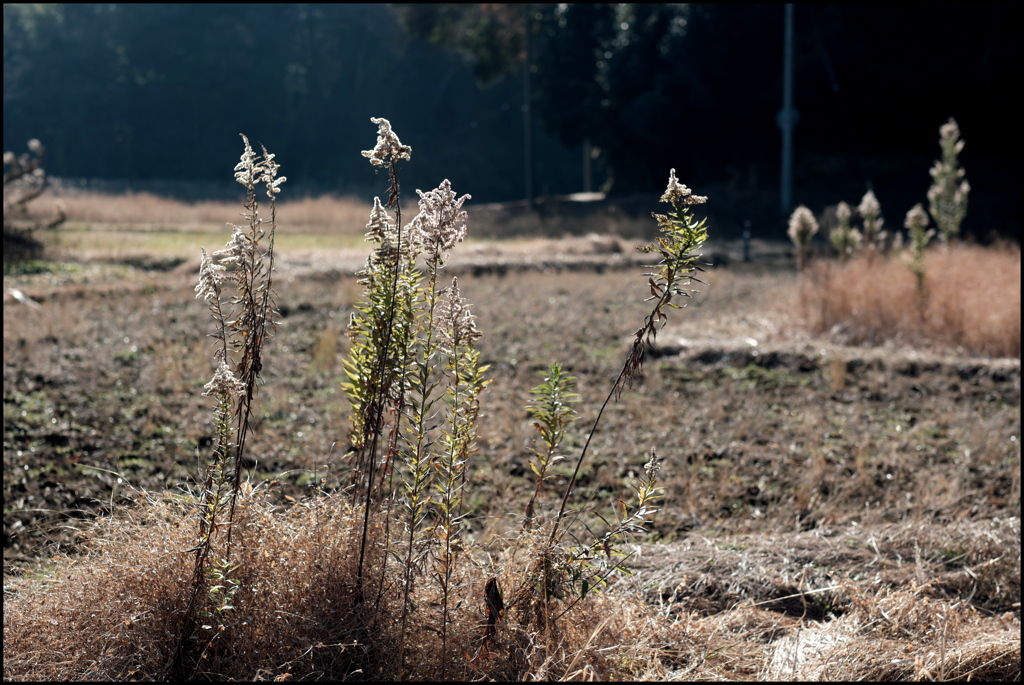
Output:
[[158, 93]]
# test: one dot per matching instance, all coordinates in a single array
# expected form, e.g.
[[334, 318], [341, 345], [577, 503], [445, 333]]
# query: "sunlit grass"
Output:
[[105, 242]]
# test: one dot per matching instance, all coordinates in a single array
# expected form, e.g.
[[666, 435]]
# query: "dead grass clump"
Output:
[[114, 613], [972, 300], [730, 645], [900, 636], [975, 560]]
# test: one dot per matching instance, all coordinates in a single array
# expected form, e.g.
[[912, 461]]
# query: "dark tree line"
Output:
[[161, 91]]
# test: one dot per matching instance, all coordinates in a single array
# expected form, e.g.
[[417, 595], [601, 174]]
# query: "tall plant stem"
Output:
[[376, 421], [252, 355], [629, 368], [415, 502]]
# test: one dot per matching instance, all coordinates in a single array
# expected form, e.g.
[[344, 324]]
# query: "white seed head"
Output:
[[224, 382], [211, 275], [802, 226], [843, 213], [652, 467], [457, 327], [869, 207], [269, 169], [676, 192], [387, 146], [917, 218], [380, 226], [246, 171], [238, 247], [441, 222]]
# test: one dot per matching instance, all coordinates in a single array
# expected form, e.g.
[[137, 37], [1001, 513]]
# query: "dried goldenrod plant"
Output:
[[802, 227], [845, 239], [947, 197], [920, 235], [565, 574], [413, 346], [414, 381], [670, 285], [871, 213], [24, 181], [244, 323]]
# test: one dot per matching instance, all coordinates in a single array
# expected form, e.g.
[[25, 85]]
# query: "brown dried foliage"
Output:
[[972, 300], [110, 614]]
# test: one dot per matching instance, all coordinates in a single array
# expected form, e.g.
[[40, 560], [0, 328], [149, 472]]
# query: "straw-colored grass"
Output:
[[114, 613], [971, 300], [145, 211]]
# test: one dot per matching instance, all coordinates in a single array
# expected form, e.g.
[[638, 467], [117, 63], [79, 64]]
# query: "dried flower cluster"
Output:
[[845, 239], [677, 192], [253, 170], [393, 243], [441, 222], [211, 275], [871, 211], [947, 196], [240, 247], [224, 383], [389, 148], [456, 326], [802, 227], [652, 467], [917, 219], [916, 222]]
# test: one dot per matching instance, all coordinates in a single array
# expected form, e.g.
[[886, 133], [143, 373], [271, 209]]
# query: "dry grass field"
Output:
[[841, 466]]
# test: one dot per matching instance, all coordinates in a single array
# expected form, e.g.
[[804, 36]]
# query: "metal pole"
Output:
[[527, 114], [588, 179], [787, 115]]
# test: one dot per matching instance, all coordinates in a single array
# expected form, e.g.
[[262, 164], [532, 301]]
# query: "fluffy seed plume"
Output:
[[269, 168], [441, 222], [224, 382], [676, 192], [248, 171], [388, 145], [237, 248], [802, 226], [211, 275], [456, 325]]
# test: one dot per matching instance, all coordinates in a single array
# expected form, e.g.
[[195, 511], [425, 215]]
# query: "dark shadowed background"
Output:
[[155, 96]]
